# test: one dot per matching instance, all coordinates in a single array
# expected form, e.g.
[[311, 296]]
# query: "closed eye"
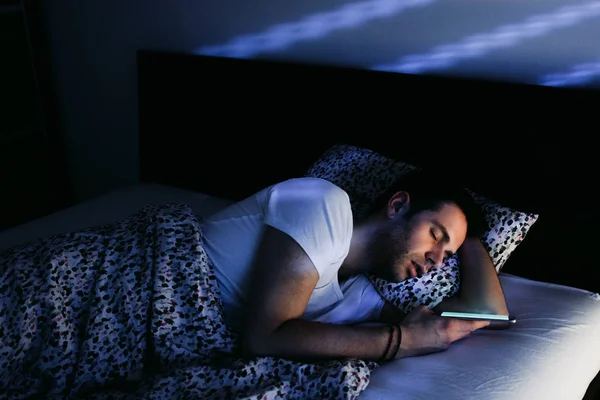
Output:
[[449, 254]]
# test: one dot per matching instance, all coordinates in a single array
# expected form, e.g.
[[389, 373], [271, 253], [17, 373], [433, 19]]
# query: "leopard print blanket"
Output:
[[131, 310]]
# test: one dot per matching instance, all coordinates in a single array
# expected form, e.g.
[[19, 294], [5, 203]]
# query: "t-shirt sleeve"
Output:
[[316, 214]]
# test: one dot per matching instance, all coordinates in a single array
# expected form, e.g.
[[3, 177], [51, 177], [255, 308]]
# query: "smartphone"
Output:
[[475, 316]]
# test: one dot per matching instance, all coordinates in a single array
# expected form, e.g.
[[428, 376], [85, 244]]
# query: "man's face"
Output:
[[405, 248]]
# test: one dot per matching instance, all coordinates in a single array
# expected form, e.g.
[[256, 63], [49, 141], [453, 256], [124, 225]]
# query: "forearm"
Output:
[[300, 339], [480, 289]]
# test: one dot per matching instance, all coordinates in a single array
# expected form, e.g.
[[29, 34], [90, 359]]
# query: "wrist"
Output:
[[404, 349], [394, 340]]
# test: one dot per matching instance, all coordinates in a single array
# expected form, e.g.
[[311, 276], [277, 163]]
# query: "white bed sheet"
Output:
[[551, 353]]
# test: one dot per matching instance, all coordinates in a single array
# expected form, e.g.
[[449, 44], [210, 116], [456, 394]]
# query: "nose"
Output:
[[434, 258]]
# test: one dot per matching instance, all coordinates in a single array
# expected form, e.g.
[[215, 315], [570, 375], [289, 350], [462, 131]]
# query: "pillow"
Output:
[[365, 175]]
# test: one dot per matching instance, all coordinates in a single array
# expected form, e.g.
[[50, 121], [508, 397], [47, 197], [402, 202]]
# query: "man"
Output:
[[281, 255]]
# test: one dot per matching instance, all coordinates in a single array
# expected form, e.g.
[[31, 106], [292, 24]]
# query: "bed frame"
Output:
[[229, 127]]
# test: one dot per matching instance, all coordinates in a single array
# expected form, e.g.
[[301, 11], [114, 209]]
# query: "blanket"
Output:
[[132, 310]]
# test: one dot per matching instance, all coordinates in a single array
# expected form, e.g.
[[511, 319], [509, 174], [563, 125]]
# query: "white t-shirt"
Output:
[[317, 215], [361, 303]]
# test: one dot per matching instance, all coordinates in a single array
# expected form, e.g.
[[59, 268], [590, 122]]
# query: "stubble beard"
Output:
[[387, 252]]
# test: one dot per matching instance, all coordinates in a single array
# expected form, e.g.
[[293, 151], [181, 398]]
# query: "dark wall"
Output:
[[231, 127]]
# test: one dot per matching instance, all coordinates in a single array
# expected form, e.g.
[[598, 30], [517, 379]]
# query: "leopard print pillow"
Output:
[[365, 175]]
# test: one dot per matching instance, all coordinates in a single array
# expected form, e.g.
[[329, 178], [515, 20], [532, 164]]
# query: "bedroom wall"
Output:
[[93, 47]]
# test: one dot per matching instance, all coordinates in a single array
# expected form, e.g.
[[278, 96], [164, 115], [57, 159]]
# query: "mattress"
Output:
[[107, 208], [552, 352]]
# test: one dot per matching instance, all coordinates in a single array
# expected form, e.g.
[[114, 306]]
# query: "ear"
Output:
[[399, 203]]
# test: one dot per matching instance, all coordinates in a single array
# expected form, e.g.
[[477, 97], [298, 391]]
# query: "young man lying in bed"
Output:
[[291, 264]]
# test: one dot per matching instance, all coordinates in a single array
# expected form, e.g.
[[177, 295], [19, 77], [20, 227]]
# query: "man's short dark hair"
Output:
[[430, 191]]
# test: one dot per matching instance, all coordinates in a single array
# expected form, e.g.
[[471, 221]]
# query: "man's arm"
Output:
[[480, 289], [283, 280]]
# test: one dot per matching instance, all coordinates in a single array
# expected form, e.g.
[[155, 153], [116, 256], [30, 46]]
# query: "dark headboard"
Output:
[[229, 127]]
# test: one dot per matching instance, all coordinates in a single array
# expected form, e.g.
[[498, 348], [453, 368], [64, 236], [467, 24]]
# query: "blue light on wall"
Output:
[[506, 36], [547, 20], [578, 75], [312, 27]]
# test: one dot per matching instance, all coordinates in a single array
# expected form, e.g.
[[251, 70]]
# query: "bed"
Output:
[[255, 122], [206, 140], [549, 353]]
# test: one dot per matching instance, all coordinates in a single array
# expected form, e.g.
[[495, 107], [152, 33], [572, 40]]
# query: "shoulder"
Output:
[[314, 189], [310, 201], [316, 214]]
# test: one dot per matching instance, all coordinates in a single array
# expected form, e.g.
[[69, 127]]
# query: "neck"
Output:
[[357, 260]]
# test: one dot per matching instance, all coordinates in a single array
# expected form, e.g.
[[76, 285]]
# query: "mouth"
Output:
[[413, 270], [417, 269]]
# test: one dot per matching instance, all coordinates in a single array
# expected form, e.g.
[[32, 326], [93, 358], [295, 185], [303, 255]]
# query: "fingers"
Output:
[[459, 329], [479, 325], [457, 333], [471, 326], [466, 325]]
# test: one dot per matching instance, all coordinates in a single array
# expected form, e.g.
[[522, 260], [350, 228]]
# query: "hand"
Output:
[[424, 332]]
